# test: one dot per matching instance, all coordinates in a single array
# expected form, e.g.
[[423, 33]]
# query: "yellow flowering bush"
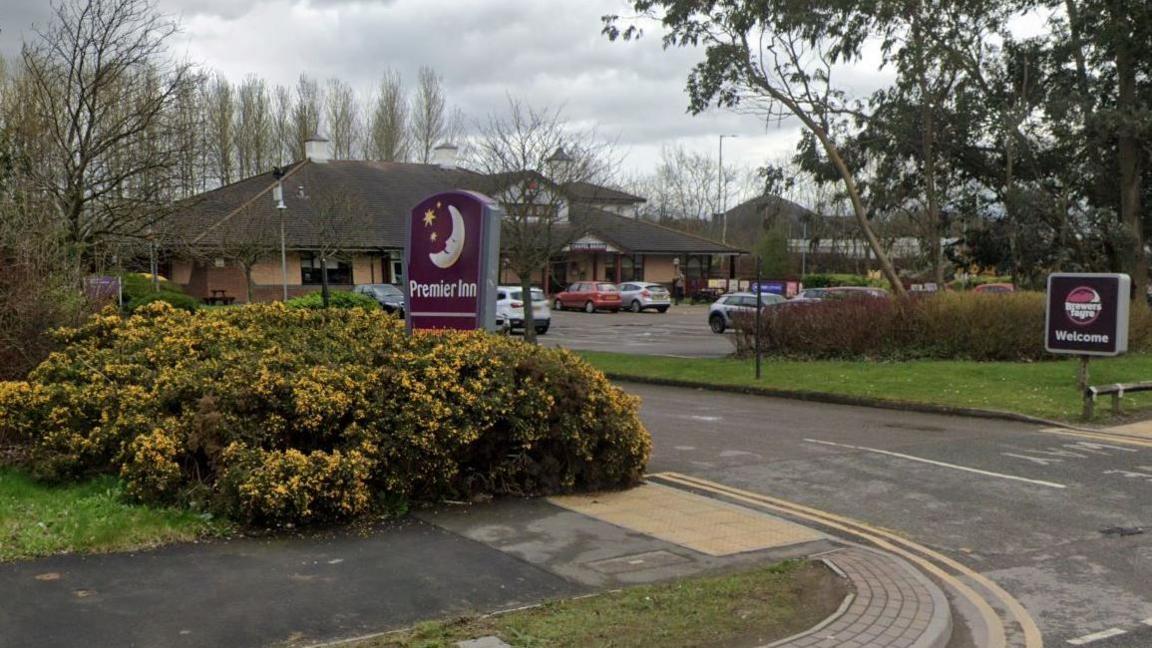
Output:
[[275, 415]]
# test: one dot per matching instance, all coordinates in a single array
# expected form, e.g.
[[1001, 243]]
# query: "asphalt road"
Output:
[[682, 332], [1023, 506]]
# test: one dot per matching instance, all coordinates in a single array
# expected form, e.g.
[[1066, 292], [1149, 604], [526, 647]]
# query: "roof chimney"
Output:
[[316, 149], [444, 156]]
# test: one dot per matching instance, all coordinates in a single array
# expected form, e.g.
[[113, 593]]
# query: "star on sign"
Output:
[[429, 218], [433, 237]]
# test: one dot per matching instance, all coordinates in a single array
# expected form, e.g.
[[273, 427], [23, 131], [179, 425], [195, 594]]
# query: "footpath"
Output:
[[450, 561]]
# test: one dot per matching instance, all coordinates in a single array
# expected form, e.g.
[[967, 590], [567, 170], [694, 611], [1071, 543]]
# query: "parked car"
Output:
[[722, 311], [839, 292], [389, 296], [590, 296], [639, 295], [995, 288], [510, 307]]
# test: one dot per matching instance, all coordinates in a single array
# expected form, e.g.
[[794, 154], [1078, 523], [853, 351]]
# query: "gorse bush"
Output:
[[960, 326], [272, 414], [336, 299]]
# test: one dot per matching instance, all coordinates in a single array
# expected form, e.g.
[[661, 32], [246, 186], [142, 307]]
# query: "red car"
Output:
[[590, 296]]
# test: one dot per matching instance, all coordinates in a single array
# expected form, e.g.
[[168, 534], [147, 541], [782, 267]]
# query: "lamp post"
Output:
[[278, 200], [720, 191]]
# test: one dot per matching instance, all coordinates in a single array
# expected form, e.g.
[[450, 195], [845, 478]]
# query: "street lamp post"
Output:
[[720, 191], [278, 200]]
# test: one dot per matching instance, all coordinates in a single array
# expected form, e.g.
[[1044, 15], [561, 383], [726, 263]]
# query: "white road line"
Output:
[[1097, 636], [1038, 482], [1147, 622]]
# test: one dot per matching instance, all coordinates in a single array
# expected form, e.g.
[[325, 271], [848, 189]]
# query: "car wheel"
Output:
[[541, 330], [589, 307], [661, 309], [636, 307], [716, 322], [556, 305]]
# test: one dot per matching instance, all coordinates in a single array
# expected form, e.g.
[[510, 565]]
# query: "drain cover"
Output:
[[637, 562]]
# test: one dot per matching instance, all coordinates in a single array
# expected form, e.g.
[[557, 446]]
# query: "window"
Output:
[[606, 287], [339, 270], [632, 268]]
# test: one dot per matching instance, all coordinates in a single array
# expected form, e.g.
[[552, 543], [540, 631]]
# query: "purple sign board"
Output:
[[1087, 313], [451, 260], [103, 289]]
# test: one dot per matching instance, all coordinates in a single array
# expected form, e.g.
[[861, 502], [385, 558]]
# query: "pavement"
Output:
[[681, 332], [449, 561]]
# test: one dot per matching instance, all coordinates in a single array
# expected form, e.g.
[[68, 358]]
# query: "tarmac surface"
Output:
[[681, 332], [1040, 513]]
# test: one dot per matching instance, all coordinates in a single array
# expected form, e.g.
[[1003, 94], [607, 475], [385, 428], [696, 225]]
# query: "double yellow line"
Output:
[[935, 563]]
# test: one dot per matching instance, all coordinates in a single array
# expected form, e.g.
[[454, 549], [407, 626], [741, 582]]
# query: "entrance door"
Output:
[[558, 277]]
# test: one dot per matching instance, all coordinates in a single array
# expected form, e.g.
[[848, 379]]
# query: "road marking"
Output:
[[1099, 436], [988, 473], [1147, 622], [897, 544], [1097, 636], [706, 419], [1089, 446], [1038, 460]]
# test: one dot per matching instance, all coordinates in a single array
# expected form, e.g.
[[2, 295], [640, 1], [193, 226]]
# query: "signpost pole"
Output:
[[759, 306], [1082, 373]]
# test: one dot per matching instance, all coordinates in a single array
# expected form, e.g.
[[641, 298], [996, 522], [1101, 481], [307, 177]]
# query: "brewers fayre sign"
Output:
[[1087, 313], [451, 262]]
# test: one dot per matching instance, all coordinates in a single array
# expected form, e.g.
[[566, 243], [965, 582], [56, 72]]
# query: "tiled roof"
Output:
[[645, 237], [372, 200], [592, 193]]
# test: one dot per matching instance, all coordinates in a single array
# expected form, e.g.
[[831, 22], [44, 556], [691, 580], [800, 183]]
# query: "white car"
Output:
[[721, 312], [640, 295], [510, 307]]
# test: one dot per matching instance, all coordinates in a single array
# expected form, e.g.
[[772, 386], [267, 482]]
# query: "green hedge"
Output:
[[955, 326], [272, 414]]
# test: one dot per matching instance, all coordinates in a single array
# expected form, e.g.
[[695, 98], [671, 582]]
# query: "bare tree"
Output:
[[338, 215], [429, 120], [221, 133], [306, 113], [388, 137], [282, 126], [530, 156], [100, 78], [342, 115], [247, 237], [255, 144]]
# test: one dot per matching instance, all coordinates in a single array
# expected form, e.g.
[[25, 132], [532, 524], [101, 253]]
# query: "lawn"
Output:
[[38, 519], [1043, 389], [750, 608]]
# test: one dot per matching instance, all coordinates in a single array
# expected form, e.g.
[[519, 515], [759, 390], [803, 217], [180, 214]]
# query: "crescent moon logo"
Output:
[[454, 245]]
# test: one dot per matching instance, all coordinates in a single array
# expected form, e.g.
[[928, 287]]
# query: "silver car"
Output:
[[641, 295], [722, 311]]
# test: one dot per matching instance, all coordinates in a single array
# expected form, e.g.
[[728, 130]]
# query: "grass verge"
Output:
[[1043, 389], [750, 608], [38, 519]]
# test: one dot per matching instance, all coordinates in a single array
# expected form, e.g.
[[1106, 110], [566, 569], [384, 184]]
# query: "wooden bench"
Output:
[[219, 298], [1116, 391]]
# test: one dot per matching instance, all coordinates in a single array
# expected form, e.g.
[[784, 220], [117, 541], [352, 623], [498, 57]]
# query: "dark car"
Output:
[[389, 296]]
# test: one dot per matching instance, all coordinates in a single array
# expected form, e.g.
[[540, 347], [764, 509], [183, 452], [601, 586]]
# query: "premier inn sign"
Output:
[[1087, 313], [451, 260]]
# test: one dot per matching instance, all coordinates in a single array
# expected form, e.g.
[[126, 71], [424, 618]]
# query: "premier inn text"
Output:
[[445, 289]]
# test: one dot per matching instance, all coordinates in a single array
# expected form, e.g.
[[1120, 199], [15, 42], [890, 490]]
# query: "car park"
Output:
[[510, 308], [589, 296], [637, 296], [723, 310], [390, 297]]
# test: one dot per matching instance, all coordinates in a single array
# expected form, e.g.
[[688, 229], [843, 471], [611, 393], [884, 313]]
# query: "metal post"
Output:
[[720, 193], [1082, 374], [759, 305], [154, 265], [283, 257]]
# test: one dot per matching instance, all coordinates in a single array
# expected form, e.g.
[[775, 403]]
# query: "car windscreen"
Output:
[[656, 288], [387, 290]]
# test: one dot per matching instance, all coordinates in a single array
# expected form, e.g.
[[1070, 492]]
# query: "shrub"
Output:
[[273, 414], [336, 299], [966, 326], [174, 299], [836, 280]]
